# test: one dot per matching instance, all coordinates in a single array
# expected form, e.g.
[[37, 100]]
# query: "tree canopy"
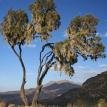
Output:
[[45, 18], [82, 40], [16, 28]]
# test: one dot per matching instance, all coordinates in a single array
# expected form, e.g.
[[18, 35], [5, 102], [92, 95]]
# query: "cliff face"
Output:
[[97, 86]]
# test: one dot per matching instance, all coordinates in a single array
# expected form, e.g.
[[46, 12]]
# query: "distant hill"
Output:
[[57, 88], [63, 92], [92, 90], [97, 86], [49, 92]]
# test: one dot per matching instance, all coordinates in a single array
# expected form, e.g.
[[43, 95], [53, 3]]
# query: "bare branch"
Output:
[[12, 47], [47, 67]]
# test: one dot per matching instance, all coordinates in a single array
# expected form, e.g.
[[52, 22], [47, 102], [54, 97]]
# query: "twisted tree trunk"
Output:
[[36, 96], [35, 100], [22, 89], [46, 62]]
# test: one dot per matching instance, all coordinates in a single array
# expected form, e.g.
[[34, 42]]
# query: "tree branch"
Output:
[[20, 50], [46, 56], [44, 71]]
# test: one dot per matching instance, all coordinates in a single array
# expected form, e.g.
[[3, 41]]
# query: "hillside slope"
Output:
[[63, 92]]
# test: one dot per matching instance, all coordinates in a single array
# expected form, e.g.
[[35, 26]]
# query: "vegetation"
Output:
[[45, 18], [14, 28], [82, 40]]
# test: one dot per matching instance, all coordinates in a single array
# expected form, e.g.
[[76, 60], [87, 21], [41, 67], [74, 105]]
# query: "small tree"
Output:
[[82, 41], [17, 32]]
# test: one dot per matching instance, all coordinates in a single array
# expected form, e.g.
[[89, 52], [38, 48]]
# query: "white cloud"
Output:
[[65, 34], [81, 76], [106, 34], [83, 72], [30, 74], [103, 67], [30, 46], [81, 67], [97, 33]]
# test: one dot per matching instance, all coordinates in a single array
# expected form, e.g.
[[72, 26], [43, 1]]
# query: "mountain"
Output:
[[92, 90], [52, 92], [49, 92], [97, 86], [64, 92], [57, 88]]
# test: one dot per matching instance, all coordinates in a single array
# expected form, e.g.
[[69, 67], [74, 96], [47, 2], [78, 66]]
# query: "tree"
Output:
[[17, 31], [45, 19], [82, 41]]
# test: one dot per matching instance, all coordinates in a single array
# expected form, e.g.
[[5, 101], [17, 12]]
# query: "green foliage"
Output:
[[83, 37], [84, 26], [63, 51], [15, 28], [65, 57], [45, 18], [82, 40], [82, 34]]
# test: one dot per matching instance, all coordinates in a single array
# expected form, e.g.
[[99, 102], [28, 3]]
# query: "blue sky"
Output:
[[10, 69]]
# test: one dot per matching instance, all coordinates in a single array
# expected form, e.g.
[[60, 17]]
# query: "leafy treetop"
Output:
[[16, 28], [82, 41], [45, 18], [84, 38]]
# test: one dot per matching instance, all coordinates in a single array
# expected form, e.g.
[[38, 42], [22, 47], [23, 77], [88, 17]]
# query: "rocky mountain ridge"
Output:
[[63, 92]]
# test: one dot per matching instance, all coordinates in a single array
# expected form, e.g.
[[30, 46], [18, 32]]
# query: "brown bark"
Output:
[[46, 62], [22, 89], [38, 89], [36, 96]]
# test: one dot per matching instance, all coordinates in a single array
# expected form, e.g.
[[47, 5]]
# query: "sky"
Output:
[[10, 69]]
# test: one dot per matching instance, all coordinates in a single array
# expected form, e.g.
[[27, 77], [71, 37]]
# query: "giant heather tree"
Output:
[[45, 20], [17, 32], [82, 41]]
